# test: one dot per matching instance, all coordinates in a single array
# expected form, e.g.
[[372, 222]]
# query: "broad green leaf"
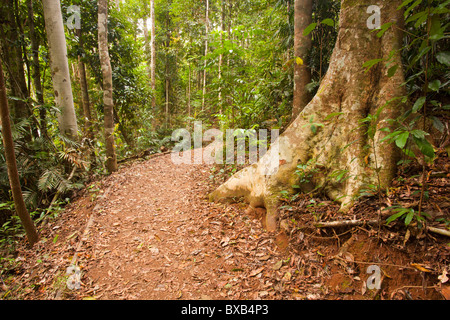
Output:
[[419, 104], [409, 217], [443, 57], [392, 70], [436, 31], [401, 139], [425, 147], [309, 28], [419, 134], [328, 22], [394, 217], [434, 85], [392, 136]]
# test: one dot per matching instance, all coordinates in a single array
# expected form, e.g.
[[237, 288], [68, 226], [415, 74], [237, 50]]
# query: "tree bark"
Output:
[[13, 59], [85, 100], [60, 68], [153, 52], [111, 158], [206, 53], [11, 164], [340, 144], [147, 41], [302, 46], [36, 68], [222, 29]]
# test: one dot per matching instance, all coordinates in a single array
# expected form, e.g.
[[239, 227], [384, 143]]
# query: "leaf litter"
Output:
[[154, 235]]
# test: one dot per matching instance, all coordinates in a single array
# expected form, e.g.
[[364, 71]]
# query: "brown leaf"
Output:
[[264, 258], [255, 272], [278, 265]]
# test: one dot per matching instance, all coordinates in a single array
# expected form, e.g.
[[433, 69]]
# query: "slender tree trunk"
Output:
[[302, 45], [167, 95], [111, 158], [13, 58], [85, 100], [147, 41], [189, 90], [206, 53], [36, 74], [60, 68], [222, 29], [11, 164], [341, 145], [153, 52]]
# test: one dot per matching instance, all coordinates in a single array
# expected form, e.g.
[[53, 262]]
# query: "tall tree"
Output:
[[222, 29], [60, 68], [206, 53], [153, 52], [11, 164], [108, 103], [36, 74], [85, 100], [327, 138], [13, 59], [302, 45], [147, 40]]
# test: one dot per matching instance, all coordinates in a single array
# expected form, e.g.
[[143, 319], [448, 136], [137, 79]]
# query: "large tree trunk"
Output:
[[108, 103], [13, 58], [302, 46], [60, 68], [341, 145], [11, 164]]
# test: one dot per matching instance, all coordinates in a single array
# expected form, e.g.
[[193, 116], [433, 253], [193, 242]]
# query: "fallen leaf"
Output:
[[287, 276], [264, 258], [278, 265], [255, 272]]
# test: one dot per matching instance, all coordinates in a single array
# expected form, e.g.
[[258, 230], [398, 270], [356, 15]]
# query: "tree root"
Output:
[[354, 223]]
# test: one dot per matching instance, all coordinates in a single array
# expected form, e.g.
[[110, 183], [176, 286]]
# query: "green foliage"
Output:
[[408, 215]]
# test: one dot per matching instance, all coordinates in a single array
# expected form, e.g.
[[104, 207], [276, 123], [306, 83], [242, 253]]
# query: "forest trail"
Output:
[[150, 233]]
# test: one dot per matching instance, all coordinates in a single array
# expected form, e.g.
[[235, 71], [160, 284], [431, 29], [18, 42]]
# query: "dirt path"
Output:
[[149, 232], [154, 235]]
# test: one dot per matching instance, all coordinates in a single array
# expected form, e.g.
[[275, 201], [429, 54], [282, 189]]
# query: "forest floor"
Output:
[[149, 232]]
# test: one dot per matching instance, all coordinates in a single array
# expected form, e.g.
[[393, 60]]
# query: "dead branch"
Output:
[[345, 223], [353, 223], [442, 232]]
